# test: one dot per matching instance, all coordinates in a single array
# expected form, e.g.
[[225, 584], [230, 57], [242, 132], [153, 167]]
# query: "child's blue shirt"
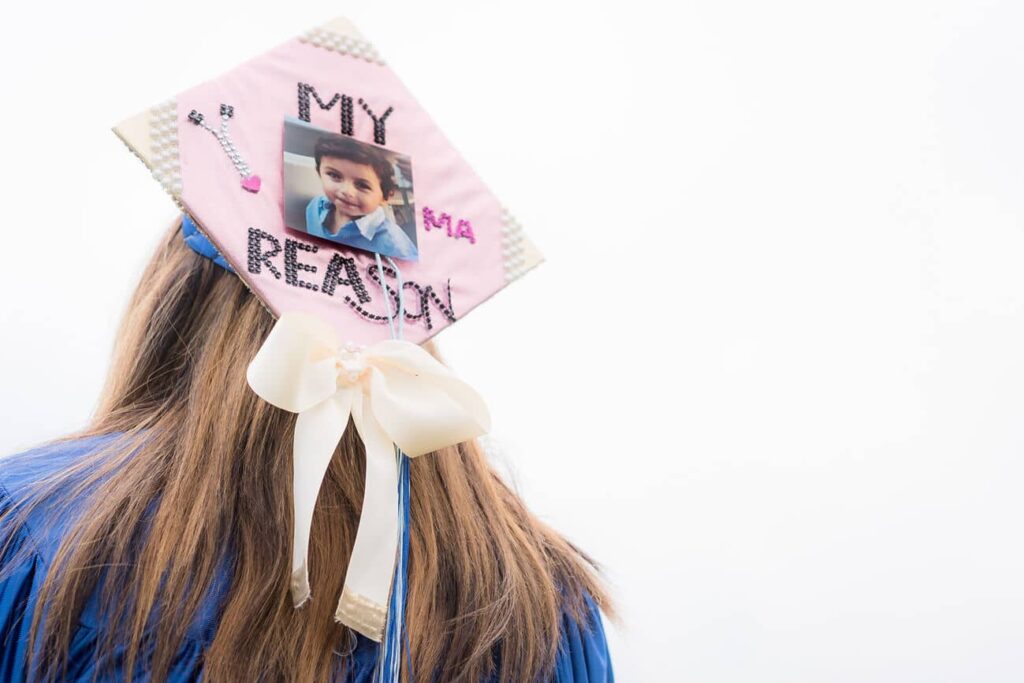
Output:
[[372, 232], [583, 652]]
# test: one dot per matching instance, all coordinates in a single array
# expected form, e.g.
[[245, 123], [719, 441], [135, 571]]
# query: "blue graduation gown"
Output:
[[582, 658]]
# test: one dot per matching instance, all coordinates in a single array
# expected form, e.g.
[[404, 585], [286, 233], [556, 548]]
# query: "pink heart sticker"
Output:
[[251, 183]]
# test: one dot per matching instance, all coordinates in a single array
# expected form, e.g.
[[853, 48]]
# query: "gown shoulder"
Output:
[[583, 655], [28, 544]]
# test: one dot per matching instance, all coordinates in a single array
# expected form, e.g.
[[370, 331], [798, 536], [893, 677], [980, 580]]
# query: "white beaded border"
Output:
[[341, 43], [163, 141], [513, 248]]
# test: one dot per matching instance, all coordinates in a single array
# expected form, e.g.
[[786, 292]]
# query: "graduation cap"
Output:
[[313, 174], [244, 156]]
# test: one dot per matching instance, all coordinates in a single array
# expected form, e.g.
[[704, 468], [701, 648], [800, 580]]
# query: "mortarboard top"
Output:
[[238, 154]]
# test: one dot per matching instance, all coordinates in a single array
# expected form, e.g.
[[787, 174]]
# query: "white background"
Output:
[[772, 373]]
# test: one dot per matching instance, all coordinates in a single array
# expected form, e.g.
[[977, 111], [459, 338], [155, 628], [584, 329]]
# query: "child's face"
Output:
[[353, 188]]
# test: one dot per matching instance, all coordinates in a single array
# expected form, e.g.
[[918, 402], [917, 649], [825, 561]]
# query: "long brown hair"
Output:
[[201, 464]]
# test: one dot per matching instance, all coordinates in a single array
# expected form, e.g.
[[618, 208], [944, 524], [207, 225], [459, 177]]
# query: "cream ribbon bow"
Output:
[[397, 395]]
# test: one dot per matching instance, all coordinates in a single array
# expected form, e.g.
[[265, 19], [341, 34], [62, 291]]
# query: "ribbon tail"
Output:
[[317, 433], [364, 599]]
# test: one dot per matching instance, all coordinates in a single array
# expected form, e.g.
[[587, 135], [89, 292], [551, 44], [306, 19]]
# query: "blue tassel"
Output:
[[389, 665]]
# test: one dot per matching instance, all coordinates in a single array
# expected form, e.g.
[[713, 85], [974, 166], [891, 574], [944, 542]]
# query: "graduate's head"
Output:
[[357, 178], [195, 480]]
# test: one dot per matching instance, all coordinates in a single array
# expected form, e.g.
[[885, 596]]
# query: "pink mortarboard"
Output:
[[340, 203], [237, 153]]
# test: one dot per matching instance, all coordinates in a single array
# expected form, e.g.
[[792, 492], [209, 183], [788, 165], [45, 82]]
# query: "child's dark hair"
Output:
[[357, 152]]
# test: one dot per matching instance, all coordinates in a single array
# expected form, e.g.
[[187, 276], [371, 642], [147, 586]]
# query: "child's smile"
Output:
[[352, 188]]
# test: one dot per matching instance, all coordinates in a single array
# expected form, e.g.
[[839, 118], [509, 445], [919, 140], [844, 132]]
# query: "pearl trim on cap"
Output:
[[163, 140], [341, 43]]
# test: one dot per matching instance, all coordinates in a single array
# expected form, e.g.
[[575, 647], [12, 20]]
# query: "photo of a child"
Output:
[[361, 194]]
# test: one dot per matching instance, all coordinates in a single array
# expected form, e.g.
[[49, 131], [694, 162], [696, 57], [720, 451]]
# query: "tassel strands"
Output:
[[389, 665]]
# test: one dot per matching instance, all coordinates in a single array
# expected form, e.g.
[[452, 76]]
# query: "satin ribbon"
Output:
[[397, 394]]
